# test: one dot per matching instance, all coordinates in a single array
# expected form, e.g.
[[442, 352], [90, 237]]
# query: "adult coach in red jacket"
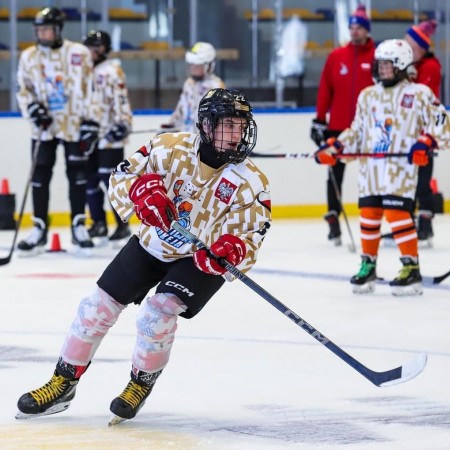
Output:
[[426, 70], [347, 71]]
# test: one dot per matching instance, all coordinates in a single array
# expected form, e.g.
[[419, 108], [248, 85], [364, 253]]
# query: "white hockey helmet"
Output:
[[201, 53], [398, 51]]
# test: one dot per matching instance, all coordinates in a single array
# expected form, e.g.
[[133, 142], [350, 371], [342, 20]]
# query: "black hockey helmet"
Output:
[[50, 16], [97, 38], [220, 103]]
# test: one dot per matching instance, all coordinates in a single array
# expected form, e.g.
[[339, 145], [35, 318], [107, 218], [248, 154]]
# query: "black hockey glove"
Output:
[[89, 130], [39, 115], [118, 132], [317, 132]]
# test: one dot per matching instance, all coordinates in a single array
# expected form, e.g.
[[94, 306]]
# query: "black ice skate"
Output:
[[409, 280], [133, 397], [122, 232], [425, 229], [364, 281], [80, 235], [98, 230], [335, 229], [53, 397], [36, 240]]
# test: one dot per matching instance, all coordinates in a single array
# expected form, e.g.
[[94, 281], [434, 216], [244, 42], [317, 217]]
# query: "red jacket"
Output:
[[347, 71], [429, 73]]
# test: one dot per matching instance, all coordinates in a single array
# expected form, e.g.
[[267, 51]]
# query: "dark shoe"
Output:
[[37, 237], [98, 229], [409, 279], [133, 397], [364, 281], [53, 397], [80, 235], [335, 229], [122, 232]]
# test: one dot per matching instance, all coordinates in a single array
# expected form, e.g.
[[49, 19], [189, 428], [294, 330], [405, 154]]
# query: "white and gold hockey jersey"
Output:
[[390, 120], [60, 79], [184, 116], [233, 199], [111, 100]]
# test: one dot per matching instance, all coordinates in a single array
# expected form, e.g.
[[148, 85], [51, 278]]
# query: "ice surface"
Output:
[[241, 375]]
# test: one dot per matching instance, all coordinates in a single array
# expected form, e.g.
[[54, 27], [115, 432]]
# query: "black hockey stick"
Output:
[[394, 376], [352, 246], [37, 144], [338, 156]]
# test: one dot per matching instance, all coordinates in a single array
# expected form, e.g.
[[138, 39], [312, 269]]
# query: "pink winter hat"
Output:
[[422, 33], [359, 17]]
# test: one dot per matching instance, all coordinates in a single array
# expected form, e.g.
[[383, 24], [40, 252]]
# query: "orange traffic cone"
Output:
[[4, 189], [55, 245]]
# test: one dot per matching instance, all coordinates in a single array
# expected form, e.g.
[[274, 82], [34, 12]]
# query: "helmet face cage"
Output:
[[202, 54], [399, 53], [50, 17], [222, 103], [97, 38]]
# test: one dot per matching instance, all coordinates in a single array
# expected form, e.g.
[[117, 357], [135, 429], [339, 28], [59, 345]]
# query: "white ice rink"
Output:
[[241, 375]]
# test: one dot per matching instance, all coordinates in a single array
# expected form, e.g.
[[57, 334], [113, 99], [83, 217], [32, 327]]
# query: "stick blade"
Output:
[[408, 371]]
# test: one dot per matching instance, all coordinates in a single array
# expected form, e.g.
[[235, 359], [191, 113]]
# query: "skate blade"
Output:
[[53, 410], [389, 242], [426, 243], [366, 288], [115, 420], [337, 241], [100, 242], [405, 291], [36, 251], [81, 252], [119, 243]]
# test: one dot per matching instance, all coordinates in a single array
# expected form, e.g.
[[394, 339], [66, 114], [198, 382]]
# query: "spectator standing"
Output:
[[425, 70], [115, 119], [347, 71], [54, 92], [201, 62]]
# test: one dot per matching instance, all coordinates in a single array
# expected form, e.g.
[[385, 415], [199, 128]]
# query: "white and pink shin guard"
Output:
[[156, 325], [96, 315]]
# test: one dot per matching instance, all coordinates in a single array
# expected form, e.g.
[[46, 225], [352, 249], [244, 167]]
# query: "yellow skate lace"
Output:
[[405, 271], [134, 393], [50, 391]]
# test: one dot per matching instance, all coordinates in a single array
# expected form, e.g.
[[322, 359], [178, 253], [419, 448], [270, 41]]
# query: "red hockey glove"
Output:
[[420, 152], [151, 203], [328, 152], [228, 247]]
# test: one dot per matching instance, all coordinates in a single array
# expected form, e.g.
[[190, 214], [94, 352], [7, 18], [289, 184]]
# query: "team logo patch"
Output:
[[76, 59], [100, 79], [407, 101], [225, 190]]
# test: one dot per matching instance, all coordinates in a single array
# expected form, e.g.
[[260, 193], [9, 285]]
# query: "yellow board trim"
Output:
[[62, 219]]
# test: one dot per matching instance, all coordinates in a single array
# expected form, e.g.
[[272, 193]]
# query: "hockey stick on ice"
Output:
[[394, 376], [37, 144], [352, 246]]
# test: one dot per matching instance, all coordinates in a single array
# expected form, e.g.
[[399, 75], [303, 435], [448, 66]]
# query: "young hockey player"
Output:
[[200, 60], [393, 116], [115, 118], [208, 184], [54, 92]]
